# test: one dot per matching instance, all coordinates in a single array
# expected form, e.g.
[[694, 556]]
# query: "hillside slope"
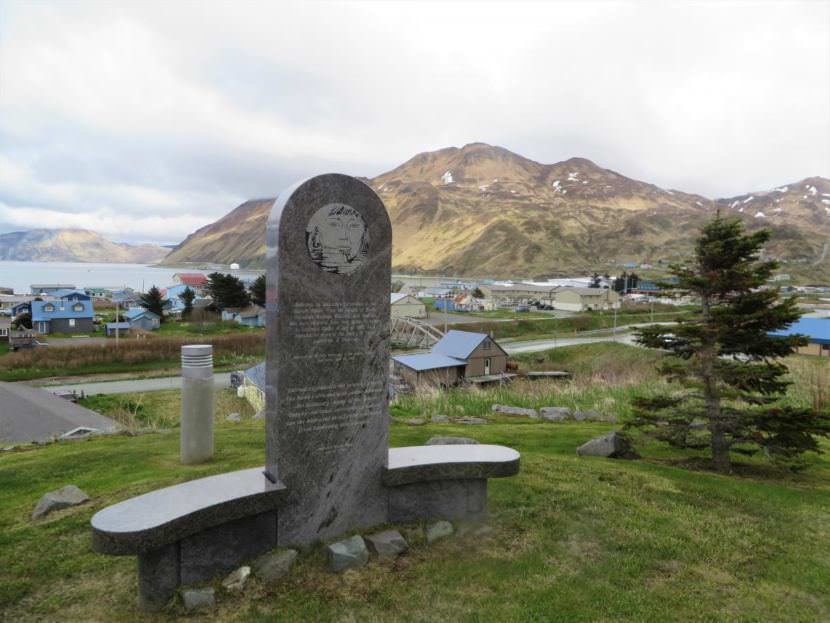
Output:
[[482, 210], [74, 245]]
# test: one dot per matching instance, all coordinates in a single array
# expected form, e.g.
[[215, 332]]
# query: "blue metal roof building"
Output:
[[51, 310], [817, 330], [459, 344], [428, 361]]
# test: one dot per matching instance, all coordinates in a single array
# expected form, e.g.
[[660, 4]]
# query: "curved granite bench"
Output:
[[191, 532], [444, 482], [194, 531]]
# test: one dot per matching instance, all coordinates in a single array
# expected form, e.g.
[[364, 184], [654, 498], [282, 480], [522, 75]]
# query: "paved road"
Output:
[[222, 379], [32, 414], [623, 337], [534, 346]]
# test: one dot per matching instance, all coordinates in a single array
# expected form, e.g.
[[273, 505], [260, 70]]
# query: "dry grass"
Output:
[[100, 357]]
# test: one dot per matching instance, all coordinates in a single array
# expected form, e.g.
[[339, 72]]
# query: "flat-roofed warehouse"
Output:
[[565, 298]]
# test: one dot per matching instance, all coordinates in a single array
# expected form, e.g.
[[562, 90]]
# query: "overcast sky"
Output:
[[145, 121]]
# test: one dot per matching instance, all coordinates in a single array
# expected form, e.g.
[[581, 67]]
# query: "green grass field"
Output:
[[574, 539]]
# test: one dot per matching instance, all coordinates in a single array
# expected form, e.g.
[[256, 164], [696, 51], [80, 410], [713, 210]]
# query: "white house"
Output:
[[406, 306]]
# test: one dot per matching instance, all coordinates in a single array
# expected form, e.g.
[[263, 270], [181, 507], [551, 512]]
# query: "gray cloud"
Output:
[[147, 120]]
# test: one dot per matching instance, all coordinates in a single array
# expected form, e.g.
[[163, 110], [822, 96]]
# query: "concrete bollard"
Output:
[[197, 404]]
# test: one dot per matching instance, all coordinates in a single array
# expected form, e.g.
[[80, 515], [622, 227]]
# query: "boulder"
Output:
[[387, 544], [555, 414], [614, 445], [234, 417], [611, 419], [236, 580], [198, 598], [347, 554], [440, 419], [70, 495], [450, 441], [587, 416], [275, 565], [518, 411], [471, 420], [438, 530]]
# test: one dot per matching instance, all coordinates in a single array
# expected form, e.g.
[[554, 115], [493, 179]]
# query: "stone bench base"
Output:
[[454, 500], [193, 532], [202, 557]]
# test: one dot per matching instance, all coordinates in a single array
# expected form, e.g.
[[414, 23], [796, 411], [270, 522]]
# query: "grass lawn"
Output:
[[574, 539], [528, 326], [204, 328]]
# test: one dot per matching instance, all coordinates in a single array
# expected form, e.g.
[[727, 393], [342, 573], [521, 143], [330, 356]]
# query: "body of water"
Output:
[[140, 277]]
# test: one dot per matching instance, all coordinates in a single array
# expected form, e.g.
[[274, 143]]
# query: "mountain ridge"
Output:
[[74, 245], [482, 210]]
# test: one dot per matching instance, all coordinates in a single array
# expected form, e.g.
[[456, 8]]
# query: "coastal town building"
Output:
[[62, 316], [49, 288], [140, 318], [817, 331], [458, 357], [406, 306]]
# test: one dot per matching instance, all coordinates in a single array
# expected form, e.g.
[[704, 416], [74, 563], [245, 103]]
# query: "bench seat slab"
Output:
[[149, 522], [413, 464]]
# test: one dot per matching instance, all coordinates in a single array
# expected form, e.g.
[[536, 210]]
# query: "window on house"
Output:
[[78, 308], [49, 308], [71, 322]]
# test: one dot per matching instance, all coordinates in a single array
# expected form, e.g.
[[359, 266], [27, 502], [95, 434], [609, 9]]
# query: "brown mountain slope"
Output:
[[482, 210], [237, 237], [74, 245]]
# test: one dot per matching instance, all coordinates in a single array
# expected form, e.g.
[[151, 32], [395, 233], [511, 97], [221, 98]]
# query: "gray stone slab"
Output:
[[387, 544], [198, 599], [161, 517], [158, 577], [438, 530], [614, 445], [456, 500], [449, 462], [329, 267], [275, 565], [347, 554], [70, 495], [518, 411], [221, 549]]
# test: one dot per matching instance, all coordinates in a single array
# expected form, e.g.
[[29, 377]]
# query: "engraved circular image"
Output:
[[337, 238]]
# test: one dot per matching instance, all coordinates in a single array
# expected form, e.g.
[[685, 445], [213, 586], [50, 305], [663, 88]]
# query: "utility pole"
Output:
[[446, 302], [117, 328], [615, 322]]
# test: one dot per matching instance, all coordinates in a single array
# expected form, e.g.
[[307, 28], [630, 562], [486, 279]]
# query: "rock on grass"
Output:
[[275, 565], [70, 495], [347, 554], [387, 544]]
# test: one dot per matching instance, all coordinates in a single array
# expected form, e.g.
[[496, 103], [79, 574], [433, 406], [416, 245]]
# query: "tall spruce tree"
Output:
[[724, 359], [227, 291], [257, 291], [187, 297], [153, 301]]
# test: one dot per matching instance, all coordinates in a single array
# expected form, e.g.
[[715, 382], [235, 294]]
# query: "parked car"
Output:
[[522, 308]]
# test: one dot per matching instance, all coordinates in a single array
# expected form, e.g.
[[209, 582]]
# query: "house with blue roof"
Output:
[[63, 316], [816, 330], [140, 318], [70, 295], [458, 357]]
